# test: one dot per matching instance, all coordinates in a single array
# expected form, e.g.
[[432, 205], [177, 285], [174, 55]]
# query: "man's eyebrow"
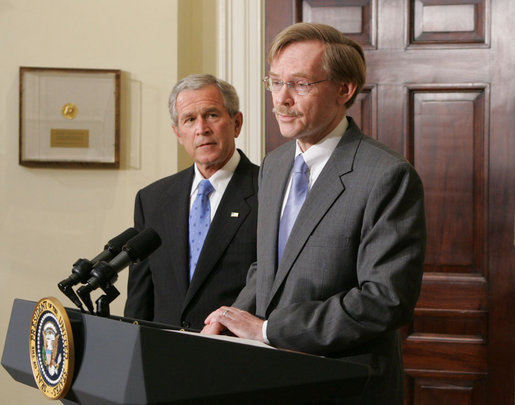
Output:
[[295, 74], [185, 115], [211, 109], [206, 110]]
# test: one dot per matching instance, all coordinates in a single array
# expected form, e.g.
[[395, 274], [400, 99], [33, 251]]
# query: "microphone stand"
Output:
[[102, 303], [68, 291], [103, 276], [80, 273]]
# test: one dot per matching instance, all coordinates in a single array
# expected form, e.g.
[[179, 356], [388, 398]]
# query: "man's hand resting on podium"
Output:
[[239, 323]]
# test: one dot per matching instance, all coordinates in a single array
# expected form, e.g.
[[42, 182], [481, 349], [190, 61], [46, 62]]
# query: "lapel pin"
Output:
[[235, 214]]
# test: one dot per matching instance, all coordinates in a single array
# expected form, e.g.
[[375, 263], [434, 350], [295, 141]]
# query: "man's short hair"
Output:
[[196, 82], [343, 59]]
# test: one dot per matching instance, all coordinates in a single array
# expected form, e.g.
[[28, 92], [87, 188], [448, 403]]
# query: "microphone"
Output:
[[105, 274], [82, 267]]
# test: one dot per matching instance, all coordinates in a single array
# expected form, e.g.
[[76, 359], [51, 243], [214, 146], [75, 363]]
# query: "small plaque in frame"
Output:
[[69, 117]]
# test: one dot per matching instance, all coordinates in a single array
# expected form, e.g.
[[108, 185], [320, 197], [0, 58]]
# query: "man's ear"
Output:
[[177, 134], [345, 92], [238, 123]]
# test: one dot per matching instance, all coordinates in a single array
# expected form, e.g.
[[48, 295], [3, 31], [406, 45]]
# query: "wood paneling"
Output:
[[444, 22], [453, 291], [436, 391], [355, 18], [472, 324], [364, 110], [448, 132]]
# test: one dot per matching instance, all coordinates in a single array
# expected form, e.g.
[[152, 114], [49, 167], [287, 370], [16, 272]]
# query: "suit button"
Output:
[[185, 324]]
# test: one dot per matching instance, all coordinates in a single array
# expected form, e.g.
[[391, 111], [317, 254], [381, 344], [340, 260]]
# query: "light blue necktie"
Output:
[[298, 193], [200, 218]]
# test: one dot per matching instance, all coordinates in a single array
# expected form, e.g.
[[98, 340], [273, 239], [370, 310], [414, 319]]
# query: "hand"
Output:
[[238, 322]]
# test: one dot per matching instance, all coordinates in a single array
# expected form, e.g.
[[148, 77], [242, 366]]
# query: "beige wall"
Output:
[[51, 217], [197, 46]]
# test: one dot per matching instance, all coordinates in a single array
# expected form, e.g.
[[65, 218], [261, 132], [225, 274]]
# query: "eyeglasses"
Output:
[[300, 87]]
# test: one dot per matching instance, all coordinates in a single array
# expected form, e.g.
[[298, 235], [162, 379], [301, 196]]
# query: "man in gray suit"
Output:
[[180, 284], [349, 274]]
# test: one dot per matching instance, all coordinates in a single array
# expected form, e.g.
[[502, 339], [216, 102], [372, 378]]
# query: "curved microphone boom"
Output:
[[105, 274], [81, 271]]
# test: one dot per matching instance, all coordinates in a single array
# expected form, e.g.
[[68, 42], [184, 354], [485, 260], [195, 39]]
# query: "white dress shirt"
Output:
[[317, 156], [219, 181]]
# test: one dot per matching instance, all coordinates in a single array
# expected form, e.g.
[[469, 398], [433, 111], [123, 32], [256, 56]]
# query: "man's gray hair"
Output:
[[196, 82]]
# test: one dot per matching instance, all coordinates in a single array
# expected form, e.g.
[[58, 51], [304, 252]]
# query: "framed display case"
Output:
[[69, 117]]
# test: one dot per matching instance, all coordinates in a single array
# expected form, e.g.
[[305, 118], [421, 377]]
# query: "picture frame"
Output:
[[69, 117]]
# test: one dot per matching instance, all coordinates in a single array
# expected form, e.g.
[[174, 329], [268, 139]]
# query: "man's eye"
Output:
[[277, 83], [302, 84]]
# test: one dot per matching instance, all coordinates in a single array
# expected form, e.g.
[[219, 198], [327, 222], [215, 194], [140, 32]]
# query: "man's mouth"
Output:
[[204, 144]]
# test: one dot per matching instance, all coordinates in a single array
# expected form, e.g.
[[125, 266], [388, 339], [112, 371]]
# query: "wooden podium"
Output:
[[119, 362]]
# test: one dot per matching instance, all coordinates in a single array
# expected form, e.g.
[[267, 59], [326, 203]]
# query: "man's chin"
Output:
[[210, 161], [290, 135], [287, 131]]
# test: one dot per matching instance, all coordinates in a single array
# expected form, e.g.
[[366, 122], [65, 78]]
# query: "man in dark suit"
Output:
[[348, 275], [174, 286]]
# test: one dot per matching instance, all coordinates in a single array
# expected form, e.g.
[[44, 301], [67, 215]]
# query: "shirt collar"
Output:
[[320, 152], [220, 177]]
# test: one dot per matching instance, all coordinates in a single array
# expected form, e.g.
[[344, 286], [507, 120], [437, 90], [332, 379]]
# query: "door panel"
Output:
[[440, 89]]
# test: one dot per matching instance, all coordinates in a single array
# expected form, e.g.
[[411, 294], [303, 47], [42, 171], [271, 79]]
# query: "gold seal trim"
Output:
[[52, 355]]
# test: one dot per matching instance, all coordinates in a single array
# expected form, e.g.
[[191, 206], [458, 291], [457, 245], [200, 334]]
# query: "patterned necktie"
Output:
[[200, 218], [298, 193]]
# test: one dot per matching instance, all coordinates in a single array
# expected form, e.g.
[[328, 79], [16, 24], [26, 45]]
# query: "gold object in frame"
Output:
[[69, 117], [69, 138], [69, 111]]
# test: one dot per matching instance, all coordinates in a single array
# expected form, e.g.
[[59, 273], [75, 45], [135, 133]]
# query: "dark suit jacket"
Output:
[[158, 288], [351, 270]]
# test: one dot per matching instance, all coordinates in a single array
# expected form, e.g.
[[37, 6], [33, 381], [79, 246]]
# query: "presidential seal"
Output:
[[51, 348]]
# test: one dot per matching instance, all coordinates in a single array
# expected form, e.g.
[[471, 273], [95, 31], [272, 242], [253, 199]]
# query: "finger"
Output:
[[209, 318], [214, 328], [215, 315]]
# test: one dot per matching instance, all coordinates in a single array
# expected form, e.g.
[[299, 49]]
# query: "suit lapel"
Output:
[[276, 170], [176, 207], [231, 213], [328, 187]]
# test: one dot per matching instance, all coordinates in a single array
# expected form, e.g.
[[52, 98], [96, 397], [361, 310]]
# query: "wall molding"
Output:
[[240, 62]]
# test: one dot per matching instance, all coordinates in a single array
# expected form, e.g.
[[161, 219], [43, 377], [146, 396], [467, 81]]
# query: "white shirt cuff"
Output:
[[263, 331]]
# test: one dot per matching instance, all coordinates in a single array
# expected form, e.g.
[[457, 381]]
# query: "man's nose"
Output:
[[284, 96], [202, 126]]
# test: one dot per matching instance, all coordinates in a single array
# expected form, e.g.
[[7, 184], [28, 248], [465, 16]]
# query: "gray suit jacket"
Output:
[[159, 289], [351, 270]]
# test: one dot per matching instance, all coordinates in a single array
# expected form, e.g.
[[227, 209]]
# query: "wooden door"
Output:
[[441, 90]]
